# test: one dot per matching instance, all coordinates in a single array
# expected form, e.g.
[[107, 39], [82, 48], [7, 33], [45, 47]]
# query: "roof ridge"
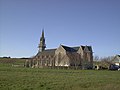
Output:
[[70, 49]]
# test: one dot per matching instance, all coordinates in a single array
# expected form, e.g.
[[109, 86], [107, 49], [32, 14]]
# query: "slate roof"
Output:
[[89, 48], [47, 52], [70, 49], [82, 47], [76, 48], [118, 55]]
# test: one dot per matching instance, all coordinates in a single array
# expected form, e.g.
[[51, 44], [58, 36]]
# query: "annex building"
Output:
[[62, 56]]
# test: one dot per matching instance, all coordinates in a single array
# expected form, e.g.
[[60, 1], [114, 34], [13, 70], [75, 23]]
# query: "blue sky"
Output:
[[67, 22]]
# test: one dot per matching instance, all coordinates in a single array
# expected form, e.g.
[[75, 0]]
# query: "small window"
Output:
[[42, 56]]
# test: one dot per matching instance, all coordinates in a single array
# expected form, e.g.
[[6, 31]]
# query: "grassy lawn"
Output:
[[19, 78]]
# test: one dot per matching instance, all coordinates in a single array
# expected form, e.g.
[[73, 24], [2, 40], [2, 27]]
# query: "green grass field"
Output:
[[20, 78]]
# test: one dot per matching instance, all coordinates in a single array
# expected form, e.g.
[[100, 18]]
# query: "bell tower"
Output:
[[42, 44]]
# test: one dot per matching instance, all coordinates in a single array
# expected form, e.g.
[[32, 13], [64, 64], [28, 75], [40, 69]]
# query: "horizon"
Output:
[[68, 22]]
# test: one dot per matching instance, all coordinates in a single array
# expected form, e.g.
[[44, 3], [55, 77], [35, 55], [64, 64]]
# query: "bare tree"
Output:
[[106, 61], [96, 58]]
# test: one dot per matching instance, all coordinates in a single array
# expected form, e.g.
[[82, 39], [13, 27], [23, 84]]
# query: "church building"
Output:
[[64, 56]]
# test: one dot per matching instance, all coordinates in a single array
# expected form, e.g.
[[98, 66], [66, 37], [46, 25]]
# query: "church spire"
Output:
[[43, 32], [42, 44]]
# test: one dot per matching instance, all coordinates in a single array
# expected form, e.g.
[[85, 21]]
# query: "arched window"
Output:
[[42, 56]]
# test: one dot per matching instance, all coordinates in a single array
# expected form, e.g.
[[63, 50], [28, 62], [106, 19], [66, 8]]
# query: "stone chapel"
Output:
[[63, 56]]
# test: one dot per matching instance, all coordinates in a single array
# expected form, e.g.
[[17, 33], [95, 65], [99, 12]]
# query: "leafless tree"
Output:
[[106, 61]]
